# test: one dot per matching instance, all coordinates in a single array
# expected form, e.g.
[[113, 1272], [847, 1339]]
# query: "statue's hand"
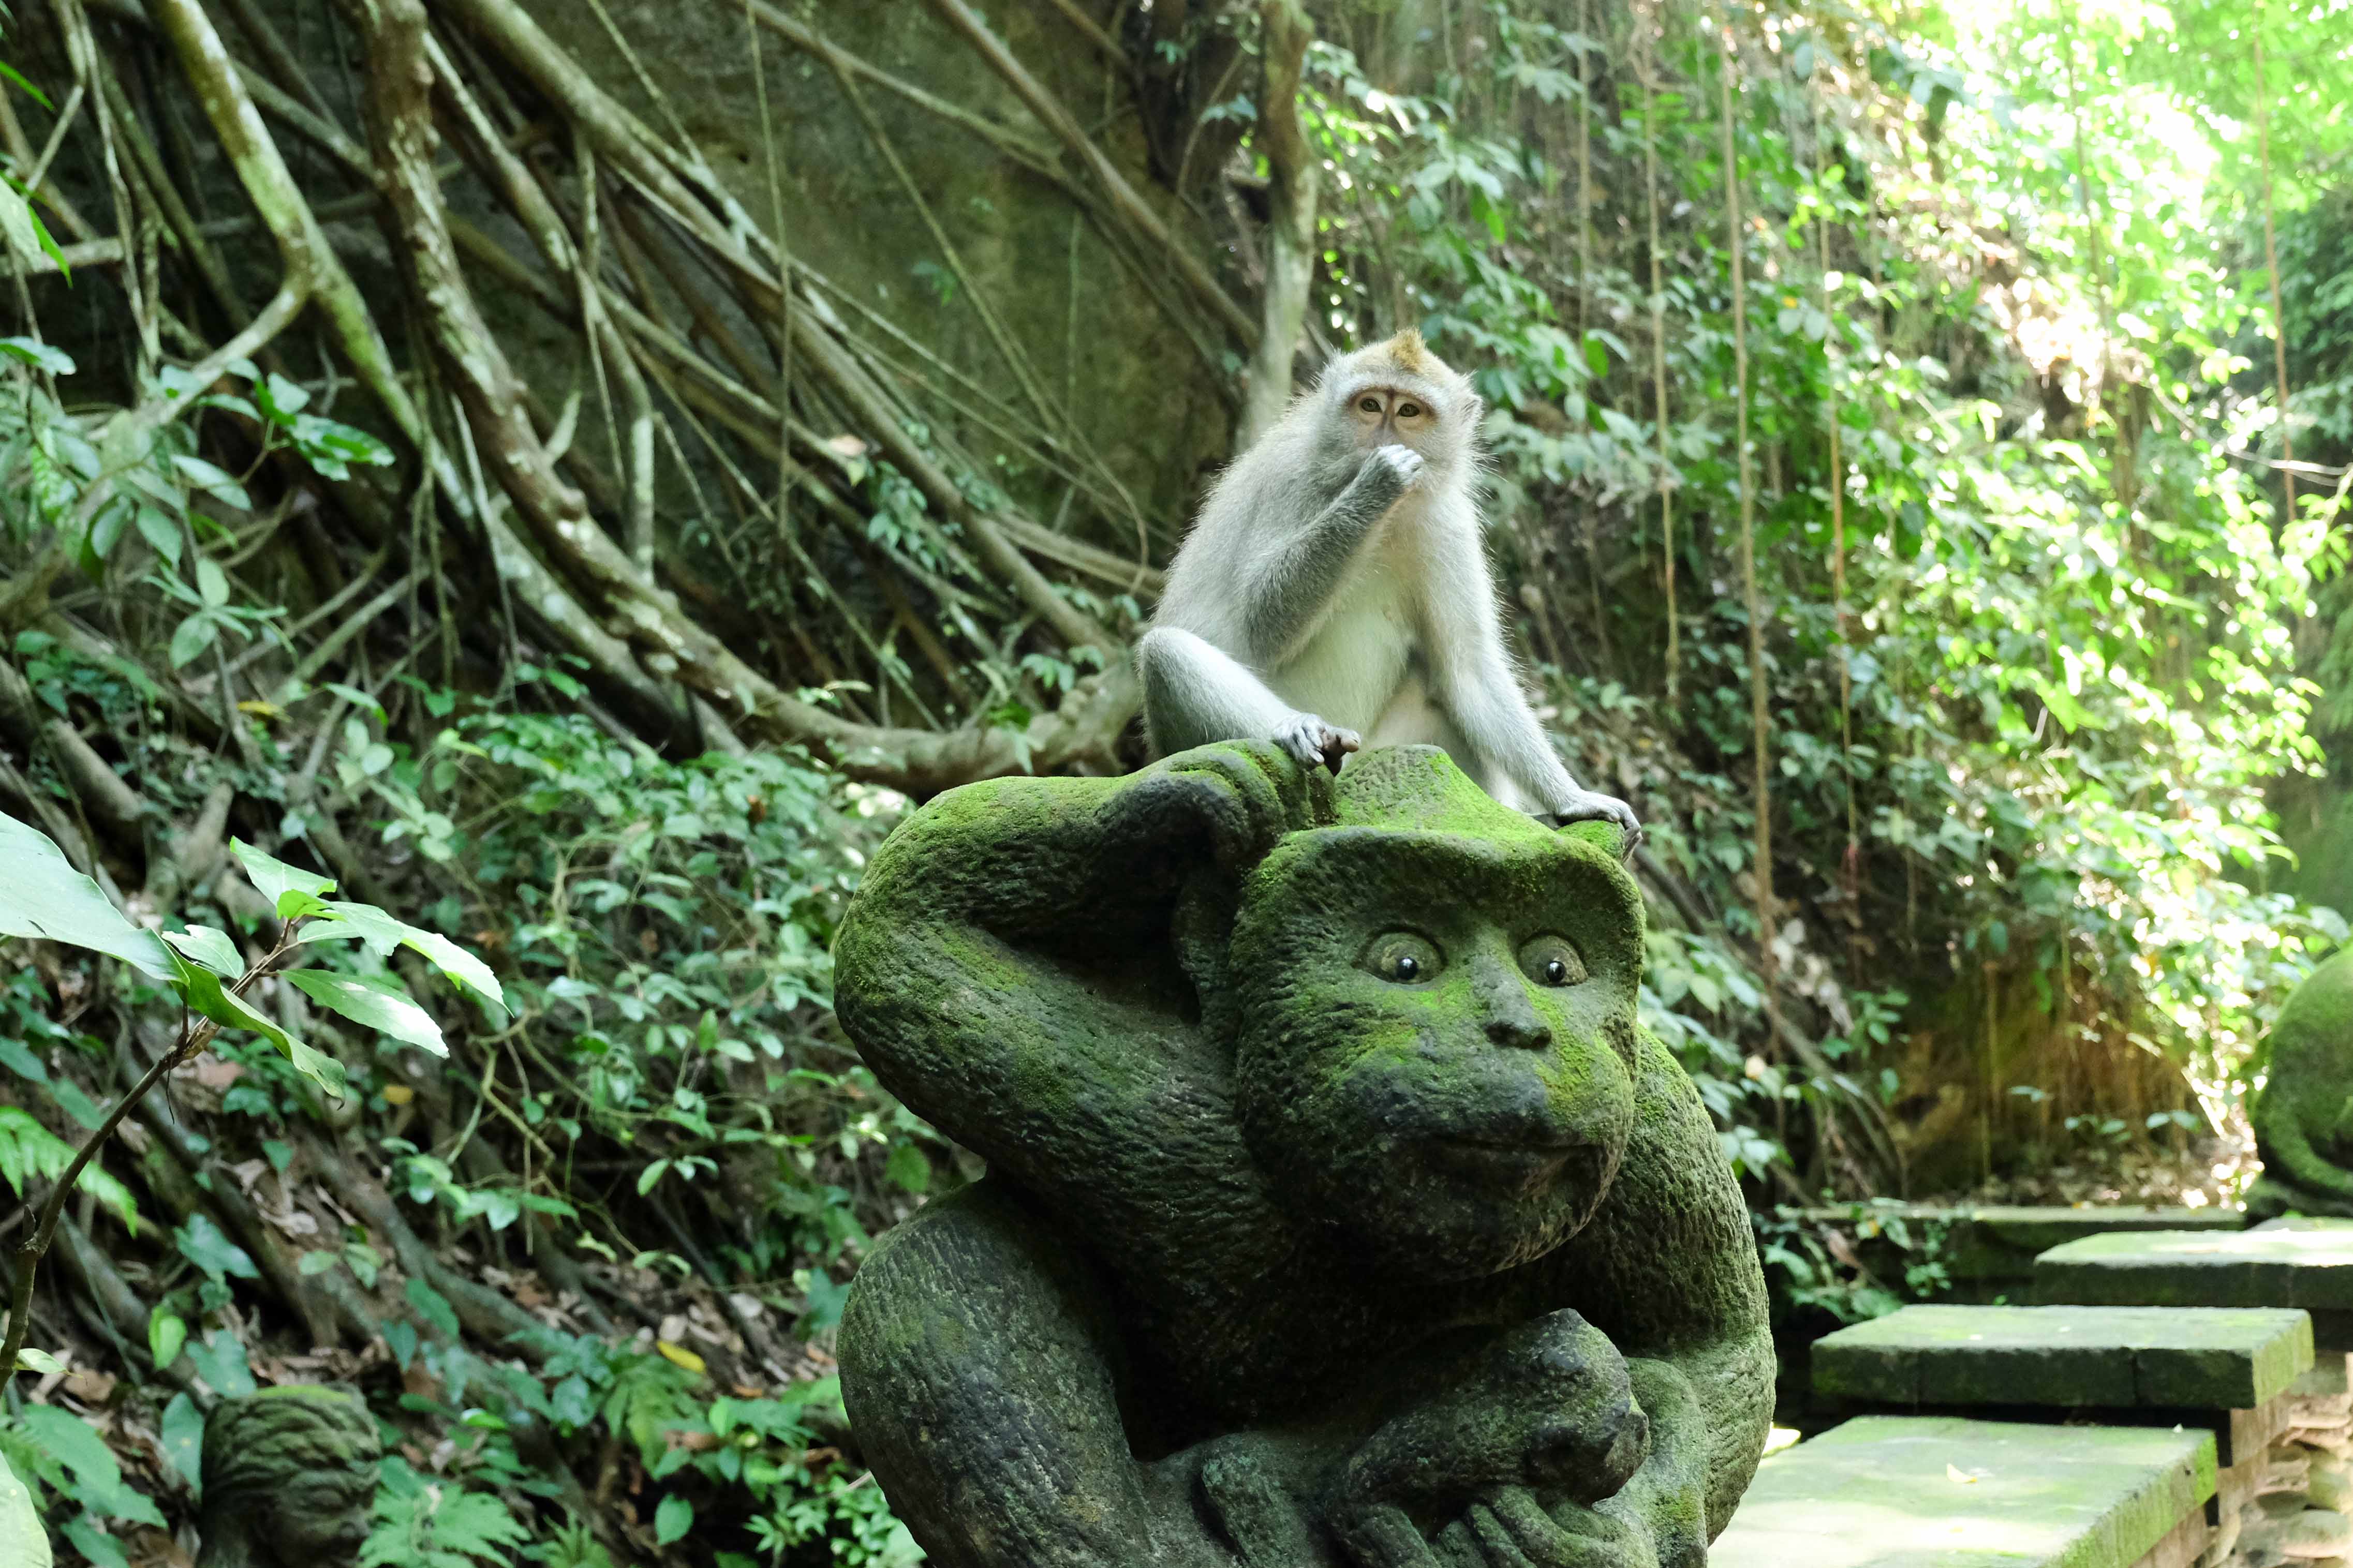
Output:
[[1511, 1529]]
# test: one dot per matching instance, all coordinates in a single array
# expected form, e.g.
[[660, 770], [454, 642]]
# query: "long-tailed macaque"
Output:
[[1334, 592]]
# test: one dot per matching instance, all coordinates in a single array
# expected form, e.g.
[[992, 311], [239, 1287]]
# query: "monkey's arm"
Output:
[[1463, 633], [1667, 1269], [1195, 694], [1284, 598]]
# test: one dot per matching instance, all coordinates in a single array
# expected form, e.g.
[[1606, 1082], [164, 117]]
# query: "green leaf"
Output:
[[382, 932], [220, 1362], [212, 582], [42, 896], [168, 1331], [191, 638], [433, 1307], [18, 227], [210, 947], [204, 995], [290, 890], [462, 968], [23, 1542], [380, 1004], [43, 356], [214, 481], [318, 1262], [673, 1519], [98, 1548], [162, 534], [182, 1431], [31, 1360], [206, 1246]]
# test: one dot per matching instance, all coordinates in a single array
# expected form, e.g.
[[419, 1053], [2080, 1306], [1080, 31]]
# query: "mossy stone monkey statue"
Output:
[[2304, 1117], [1338, 1211], [289, 1475]]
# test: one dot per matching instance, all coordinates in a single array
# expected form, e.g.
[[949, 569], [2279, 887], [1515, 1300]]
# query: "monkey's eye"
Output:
[[1402, 958], [1368, 405], [1550, 961], [1410, 410]]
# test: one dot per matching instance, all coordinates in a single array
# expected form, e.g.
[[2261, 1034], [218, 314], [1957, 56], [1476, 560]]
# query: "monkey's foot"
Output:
[[1315, 743], [1585, 806]]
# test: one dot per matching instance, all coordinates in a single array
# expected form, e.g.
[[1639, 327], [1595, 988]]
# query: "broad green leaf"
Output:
[[99, 1548], [317, 1262], [33, 352], [166, 1333], [337, 921], [210, 947], [23, 1542], [214, 481], [191, 638], [182, 1431], [18, 227], [290, 890], [31, 1360], [41, 895], [212, 582], [378, 1004], [365, 922], [467, 972], [206, 1246], [433, 1307], [673, 1519], [204, 995], [220, 1362], [162, 534]]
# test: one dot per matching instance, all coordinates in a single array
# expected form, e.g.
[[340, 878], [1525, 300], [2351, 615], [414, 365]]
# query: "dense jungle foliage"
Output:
[[570, 472]]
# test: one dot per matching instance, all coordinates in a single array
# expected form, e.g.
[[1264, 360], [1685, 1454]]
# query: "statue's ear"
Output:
[[1028, 958]]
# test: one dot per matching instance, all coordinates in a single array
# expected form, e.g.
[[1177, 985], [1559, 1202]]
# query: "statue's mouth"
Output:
[[1522, 1164]]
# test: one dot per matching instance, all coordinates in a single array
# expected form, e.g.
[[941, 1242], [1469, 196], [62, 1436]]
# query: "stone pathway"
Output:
[[1884, 1490], [2157, 1347]]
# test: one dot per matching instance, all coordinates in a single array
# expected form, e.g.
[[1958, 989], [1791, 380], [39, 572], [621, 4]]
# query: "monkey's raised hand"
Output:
[[1313, 743], [1388, 472], [1586, 805]]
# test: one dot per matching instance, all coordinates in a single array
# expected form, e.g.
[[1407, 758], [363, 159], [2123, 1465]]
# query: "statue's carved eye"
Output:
[[1550, 961], [1402, 958]]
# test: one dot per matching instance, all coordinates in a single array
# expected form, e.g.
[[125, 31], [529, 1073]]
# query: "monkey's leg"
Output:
[[975, 1364], [1194, 693]]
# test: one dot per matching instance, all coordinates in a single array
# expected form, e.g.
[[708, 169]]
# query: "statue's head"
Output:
[[1401, 1013], [289, 1475], [1434, 1034]]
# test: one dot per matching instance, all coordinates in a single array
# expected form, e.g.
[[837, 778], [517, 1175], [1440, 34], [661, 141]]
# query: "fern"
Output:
[[28, 1149], [423, 1524]]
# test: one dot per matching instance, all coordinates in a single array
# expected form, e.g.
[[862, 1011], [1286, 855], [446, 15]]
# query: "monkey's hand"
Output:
[[1586, 805], [1313, 743], [1388, 473]]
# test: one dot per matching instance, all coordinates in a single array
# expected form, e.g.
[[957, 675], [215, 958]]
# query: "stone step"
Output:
[[1986, 1247], [2309, 1268], [1941, 1491], [2184, 1359]]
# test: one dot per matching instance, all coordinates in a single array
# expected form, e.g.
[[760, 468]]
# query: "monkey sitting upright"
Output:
[[1335, 589]]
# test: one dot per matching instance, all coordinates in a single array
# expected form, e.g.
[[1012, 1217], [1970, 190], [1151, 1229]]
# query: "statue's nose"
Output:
[[1512, 1018]]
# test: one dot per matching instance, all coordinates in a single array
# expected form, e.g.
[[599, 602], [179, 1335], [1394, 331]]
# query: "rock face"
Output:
[[1337, 1209], [289, 1475], [2304, 1117]]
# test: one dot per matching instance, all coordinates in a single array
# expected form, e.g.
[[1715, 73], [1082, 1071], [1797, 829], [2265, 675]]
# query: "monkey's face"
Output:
[[1433, 1051], [1398, 393]]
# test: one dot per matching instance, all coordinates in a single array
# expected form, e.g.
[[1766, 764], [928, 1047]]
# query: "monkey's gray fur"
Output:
[[1334, 593]]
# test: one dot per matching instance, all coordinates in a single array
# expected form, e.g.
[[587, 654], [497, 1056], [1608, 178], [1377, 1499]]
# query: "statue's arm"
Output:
[[1667, 1268], [989, 969]]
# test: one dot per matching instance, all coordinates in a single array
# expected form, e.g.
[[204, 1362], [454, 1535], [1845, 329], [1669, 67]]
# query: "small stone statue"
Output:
[[2304, 1117], [1338, 1212], [289, 1475]]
